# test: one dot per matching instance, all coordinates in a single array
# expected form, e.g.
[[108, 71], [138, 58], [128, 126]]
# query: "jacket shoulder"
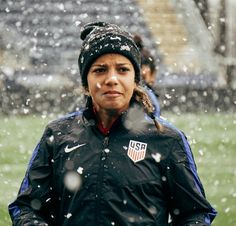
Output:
[[65, 121], [176, 135]]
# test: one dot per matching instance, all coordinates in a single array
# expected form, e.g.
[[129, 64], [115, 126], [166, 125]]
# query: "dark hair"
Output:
[[146, 56]]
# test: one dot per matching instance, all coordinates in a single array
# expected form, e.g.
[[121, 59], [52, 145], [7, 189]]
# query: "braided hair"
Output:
[[142, 97]]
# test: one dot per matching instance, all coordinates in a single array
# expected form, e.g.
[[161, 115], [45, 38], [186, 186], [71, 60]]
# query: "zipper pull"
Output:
[[105, 150], [105, 142]]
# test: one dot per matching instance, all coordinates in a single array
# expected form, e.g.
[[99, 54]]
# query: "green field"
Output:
[[212, 138]]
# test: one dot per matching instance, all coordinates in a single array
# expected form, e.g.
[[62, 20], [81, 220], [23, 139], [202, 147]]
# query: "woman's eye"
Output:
[[123, 69], [99, 70]]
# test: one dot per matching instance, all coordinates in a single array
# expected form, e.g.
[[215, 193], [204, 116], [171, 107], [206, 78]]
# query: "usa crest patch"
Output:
[[136, 150]]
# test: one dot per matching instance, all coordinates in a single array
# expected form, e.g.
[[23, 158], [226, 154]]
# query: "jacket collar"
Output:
[[128, 120]]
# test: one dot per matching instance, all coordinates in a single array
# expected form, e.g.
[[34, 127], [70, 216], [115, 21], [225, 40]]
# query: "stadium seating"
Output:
[[39, 47]]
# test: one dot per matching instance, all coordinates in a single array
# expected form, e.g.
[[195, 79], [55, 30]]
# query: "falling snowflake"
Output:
[[69, 215], [107, 150], [98, 85], [72, 181], [80, 170], [51, 138], [152, 210], [157, 157], [123, 47]]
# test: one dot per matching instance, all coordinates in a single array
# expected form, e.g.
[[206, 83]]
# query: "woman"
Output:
[[107, 165]]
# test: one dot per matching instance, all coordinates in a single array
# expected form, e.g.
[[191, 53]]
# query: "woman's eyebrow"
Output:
[[122, 64], [98, 65], [104, 65]]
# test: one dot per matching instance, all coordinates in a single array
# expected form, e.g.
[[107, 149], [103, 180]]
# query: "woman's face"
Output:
[[111, 82]]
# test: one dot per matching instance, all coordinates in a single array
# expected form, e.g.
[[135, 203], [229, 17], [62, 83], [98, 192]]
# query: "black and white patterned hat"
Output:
[[100, 38]]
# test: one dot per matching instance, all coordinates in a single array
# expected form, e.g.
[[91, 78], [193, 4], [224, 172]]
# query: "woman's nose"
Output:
[[111, 78]]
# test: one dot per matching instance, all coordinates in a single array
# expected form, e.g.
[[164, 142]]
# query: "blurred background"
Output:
[[193, 42], [194, 45]]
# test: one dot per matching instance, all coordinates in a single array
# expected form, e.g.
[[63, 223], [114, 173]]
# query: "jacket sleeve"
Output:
[[34, 194], [187, 203]]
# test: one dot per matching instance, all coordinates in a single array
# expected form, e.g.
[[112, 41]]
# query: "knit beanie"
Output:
[[100, 38]]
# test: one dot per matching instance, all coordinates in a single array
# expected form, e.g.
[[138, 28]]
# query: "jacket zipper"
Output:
[[100, 177]]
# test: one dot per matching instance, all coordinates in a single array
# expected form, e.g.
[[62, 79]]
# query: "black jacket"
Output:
[[134, 176]]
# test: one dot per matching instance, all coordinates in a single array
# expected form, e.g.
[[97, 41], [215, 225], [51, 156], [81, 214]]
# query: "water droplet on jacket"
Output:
[[36, 204]]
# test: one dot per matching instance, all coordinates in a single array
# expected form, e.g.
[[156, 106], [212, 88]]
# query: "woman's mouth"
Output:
[[112, 93]]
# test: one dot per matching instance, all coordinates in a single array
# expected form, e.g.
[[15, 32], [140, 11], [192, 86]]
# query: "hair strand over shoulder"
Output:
[[141, 96]]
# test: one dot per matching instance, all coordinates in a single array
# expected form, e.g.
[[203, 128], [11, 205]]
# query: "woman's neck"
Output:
[[106, 117]]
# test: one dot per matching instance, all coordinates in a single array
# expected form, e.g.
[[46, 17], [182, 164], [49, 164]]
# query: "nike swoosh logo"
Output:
[[68, 149]]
